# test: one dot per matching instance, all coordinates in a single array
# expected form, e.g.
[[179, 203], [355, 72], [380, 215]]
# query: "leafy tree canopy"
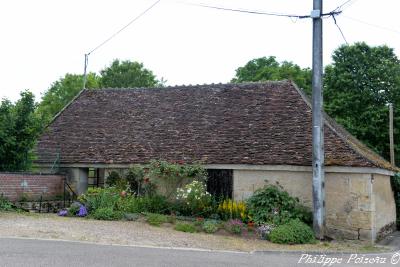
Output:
[[61, 92], [358, 85], [268, 69], [19, 128], [118, 75], [127, 74]]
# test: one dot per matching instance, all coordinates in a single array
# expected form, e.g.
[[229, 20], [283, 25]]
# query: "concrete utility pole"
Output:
[[318, 122], [391, 134], [85, 71]]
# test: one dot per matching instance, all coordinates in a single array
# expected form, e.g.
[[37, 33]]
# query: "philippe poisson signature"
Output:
[[362, 259]]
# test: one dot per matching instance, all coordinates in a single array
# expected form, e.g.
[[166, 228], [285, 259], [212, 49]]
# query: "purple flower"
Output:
[[82, 211], [63, 212]]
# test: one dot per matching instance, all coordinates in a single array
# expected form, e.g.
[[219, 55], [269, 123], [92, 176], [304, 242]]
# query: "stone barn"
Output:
[[246, 135]]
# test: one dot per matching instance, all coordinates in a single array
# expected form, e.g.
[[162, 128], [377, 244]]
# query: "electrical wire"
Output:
[[340, 30], [345, 3], [123, 28], [291, 16], [251, 11], [373, 25]]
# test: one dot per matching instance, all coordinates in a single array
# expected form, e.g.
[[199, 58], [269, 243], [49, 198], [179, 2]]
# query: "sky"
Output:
[[180, 42]]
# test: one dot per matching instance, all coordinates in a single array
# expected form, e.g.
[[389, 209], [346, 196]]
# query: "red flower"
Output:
[[146, 180]]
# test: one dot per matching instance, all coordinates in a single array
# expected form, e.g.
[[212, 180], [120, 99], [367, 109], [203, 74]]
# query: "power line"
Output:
[[123, 28], [332, 13], [340, 30], [373, 25], [345, 3], [111, 37]]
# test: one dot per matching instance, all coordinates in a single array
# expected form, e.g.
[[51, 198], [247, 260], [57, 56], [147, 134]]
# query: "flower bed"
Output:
[[190, 208]]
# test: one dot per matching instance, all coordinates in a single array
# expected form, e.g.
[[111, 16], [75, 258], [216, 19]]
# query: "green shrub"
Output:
[[210, 226], [185, 227], [235, 226], [5, 204], [272, 205], [97, 198], [73, 209], [193, 199], [112, 178], [131, 216], [173, 175], [107, 214], [128, 204], [156, 219], [293, 232], [153, 204]]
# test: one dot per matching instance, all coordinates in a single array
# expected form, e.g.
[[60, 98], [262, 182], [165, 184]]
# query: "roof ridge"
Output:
[[350, 140], [193, 85]]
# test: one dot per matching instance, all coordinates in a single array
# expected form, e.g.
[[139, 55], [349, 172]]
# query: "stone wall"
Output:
[[385, 208], [358, 206], [16, 186]]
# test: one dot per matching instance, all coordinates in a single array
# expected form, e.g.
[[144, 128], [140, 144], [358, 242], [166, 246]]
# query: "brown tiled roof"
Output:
[[250, 123]]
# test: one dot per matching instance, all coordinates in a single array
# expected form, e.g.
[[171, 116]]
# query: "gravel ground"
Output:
[[51, 226]]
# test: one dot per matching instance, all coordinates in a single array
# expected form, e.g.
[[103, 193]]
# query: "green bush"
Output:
[[272, 205], [73, 209], [193, 199], [107, 214], [173, 175], [235, 226], [185, 227], [153, 204], [5, 204], [210, 226], [128, 204], [131, 216], [293, 232], [112, 178], [97, 198], [156, 219]]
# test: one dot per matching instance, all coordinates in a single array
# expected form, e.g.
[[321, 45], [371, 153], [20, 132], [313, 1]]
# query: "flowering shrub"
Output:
[[234, 226], [273, 205], [82, 211], [230, 209], [194, 198], [96, 198], [264, 230], [173, 175], [210, 226], [63, 212]]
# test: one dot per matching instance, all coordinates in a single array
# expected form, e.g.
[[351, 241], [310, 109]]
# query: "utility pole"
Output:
[[85, 71], [391, 134], [317, 124]]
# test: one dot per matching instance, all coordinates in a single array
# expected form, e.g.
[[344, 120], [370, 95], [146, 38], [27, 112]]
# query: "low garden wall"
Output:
[[30, 186]]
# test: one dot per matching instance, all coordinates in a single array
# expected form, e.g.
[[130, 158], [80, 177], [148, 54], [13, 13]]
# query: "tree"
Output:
[[61, 92], [359, 84], [19, 128], [268, 69], [127, 74]]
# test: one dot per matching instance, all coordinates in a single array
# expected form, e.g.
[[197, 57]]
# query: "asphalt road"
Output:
[[29, 252]]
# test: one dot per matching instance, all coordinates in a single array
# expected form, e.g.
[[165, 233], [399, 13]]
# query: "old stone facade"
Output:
[[359, 202]]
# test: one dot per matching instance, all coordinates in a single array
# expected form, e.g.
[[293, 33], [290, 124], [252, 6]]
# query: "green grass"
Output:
[[156, 219], [185, 227]]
